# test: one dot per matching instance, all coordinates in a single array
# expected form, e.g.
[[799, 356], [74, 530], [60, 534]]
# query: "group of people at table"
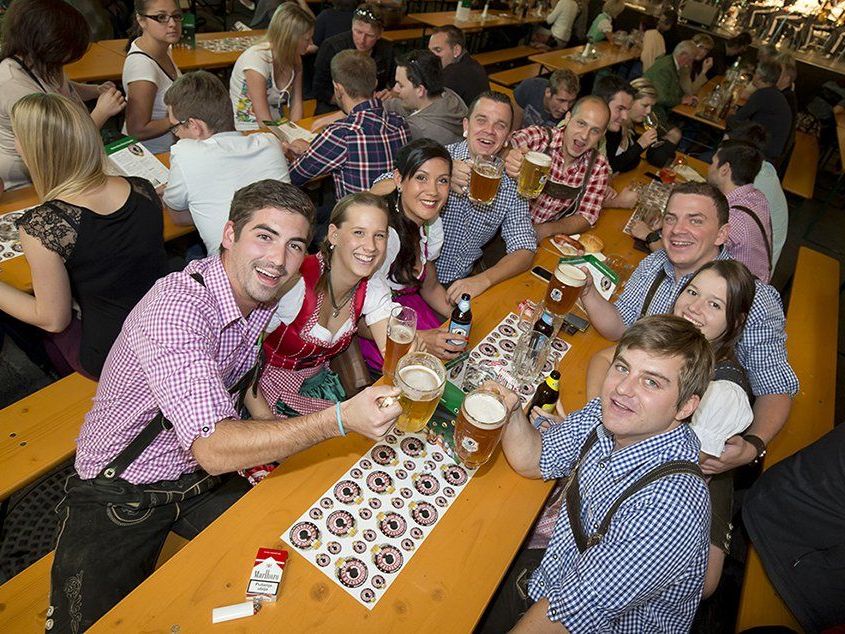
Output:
[[209, 371]]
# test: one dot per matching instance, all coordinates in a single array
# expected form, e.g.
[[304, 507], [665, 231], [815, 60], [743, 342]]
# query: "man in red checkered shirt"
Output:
[[572, 198]]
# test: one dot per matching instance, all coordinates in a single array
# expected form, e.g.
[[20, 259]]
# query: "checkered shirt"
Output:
[[647, 573], [355, 150], [761, 349], [468, 226], [180, 350], [745, 242], [545, 208]]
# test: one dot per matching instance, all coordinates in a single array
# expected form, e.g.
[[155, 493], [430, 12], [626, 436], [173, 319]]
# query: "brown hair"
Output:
[[268, 193], [702, 40], [566, 79], [670, 336], [370, 13], [46, 35], [454, 35], [356, 72], [201, 95], [708, 191], [492, 95]]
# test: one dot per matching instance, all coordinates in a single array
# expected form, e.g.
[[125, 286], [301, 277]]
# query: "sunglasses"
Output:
[[163, 18], [367, 15]]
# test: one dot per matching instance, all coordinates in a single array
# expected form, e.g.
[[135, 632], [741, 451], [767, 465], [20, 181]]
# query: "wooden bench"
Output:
[[812, 347], [403, 35], [800, 176], [515, 75], [491, 58], [505, 91]]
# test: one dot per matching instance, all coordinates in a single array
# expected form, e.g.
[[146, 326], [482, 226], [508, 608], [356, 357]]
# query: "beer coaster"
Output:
[[10, 246], [362, 532]]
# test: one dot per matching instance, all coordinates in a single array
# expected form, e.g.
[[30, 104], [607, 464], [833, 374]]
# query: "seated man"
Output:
[[544, 101], [733, 169], [159, 447], [211, 161], [461, 72], [431, 111], [695, 228], [359, 147], [469, 226], [665, 75], [572, 198], [630, 555], [365, 37]]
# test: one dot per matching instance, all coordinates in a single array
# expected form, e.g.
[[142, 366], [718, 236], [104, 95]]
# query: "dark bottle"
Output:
[[544, 324], [461, 320], [547, 393]]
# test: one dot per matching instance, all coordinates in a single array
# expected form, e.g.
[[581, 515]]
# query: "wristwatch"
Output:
[[654, 236], [759, 445]]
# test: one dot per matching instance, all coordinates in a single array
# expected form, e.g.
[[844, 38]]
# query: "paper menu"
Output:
[[131, 158], [287, 131]]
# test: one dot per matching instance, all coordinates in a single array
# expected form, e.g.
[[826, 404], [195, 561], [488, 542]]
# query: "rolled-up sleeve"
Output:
[[517, 229]]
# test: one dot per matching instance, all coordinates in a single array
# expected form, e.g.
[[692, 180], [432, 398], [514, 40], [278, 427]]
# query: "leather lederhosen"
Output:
[[560, 191]]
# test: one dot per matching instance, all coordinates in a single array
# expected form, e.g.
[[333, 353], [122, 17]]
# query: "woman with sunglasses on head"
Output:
[[149, 70], [268, 76]]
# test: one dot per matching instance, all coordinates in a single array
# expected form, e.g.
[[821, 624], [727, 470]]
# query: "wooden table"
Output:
[[494, 19], [444, 588], [609, 55], [691, 112], [100, 63]]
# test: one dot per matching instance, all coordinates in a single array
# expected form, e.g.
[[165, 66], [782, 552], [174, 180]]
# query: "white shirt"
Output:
[[767, 181], [141, 67], [561, 18], [258, 58], [204, 175], [431, 242], [377, 306]]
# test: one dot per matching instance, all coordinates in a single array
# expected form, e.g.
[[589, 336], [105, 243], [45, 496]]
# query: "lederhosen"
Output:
[[560, 191], [652, 291]]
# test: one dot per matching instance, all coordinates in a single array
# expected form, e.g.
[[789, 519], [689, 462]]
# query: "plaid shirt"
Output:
[[647, 573], [745, 243], [180, 349], [545, 208], [762, 348], [468, 226], [355, 149]]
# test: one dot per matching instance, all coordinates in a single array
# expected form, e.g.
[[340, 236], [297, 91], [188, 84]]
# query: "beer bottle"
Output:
[[461, 320], [544, 324], [547, 393]]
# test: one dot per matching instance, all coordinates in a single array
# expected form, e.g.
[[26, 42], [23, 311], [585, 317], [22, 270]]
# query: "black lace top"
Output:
[[112, 260]]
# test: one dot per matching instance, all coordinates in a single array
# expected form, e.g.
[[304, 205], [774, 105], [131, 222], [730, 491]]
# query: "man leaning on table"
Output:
[[572, 198], [638, 567], [665, 75], [159, 447], [695, 230]]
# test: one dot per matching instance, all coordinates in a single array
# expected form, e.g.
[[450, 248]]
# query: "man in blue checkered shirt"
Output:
[[468, 226], [695, 228], [644, 570]]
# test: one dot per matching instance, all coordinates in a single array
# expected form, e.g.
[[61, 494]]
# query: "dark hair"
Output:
[[741, 289], [139, 8], [46, 35], [454, 35], [369, 13], [344, 5], [423, 69], [608, 86], [409, 160], [268, 193], [769, 71], [709, 191], [745, 160], [201, 95], [670, 336], [648, 22], [742, 40], [355, 72], [492, 95], [750, 132]]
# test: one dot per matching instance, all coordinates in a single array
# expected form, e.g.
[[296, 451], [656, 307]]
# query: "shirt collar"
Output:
[[217, 282], [459, 151], [370, 104], [677, 444], [740, 192]]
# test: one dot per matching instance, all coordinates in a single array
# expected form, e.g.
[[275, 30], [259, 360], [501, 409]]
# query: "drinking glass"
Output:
[[421, 377], [530, 355], [485, 178], [478, 427], [401, 330]]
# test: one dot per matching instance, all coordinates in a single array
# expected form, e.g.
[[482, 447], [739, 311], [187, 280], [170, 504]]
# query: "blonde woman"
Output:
[[268, 76], [95, 240]]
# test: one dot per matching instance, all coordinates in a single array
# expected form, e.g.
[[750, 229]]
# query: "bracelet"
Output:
[[758, 444], [339, 419]]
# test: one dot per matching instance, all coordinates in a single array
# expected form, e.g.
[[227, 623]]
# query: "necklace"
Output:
[[335, 307]]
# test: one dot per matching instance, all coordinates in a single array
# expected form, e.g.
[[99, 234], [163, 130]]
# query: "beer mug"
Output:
[[533, 174], [421, 378], [564, 289], [479, 426], [529, 357], [401, 330], [485, 178]]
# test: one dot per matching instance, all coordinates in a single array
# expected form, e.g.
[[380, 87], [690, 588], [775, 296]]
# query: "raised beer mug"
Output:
[[564, 288], [479, 426], [421, 378], [533, 174], [485, 178], [401, 330]]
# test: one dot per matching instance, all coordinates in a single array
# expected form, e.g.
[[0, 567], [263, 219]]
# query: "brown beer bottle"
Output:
[[547, 393], [545, 324]]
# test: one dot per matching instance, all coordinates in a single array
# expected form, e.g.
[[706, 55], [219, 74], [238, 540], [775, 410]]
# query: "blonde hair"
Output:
[[60, 145], [644, 88], [287, 26], [702, 40]]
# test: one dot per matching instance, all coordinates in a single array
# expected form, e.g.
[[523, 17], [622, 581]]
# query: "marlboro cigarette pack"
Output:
[[266, 574]]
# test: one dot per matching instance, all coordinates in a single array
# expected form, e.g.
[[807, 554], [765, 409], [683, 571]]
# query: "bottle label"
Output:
[[556, 294], [548, 407], [469, 445], [458, 329]]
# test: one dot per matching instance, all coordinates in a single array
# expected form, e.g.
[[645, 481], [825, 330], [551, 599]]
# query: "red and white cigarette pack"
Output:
[[266, 574]]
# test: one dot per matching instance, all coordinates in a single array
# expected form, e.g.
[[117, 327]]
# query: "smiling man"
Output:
[[571, 200], [630, 553], [159, 447]]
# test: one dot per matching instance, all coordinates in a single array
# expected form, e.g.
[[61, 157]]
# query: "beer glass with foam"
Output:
[[421, 378], [564, 288], [533, 174], [479, 426], [401, 330], [485, 178]]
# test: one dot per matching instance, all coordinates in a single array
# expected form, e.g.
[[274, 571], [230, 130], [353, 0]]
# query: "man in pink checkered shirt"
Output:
[[572, 198], [159, 447]]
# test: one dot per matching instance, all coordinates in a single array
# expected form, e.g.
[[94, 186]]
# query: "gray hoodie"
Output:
[[441, 121]]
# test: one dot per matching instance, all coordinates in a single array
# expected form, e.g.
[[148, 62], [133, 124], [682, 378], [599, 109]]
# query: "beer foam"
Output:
[[485, 409], [420, 378], [539, 159], [570, 275], [401, 334]]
